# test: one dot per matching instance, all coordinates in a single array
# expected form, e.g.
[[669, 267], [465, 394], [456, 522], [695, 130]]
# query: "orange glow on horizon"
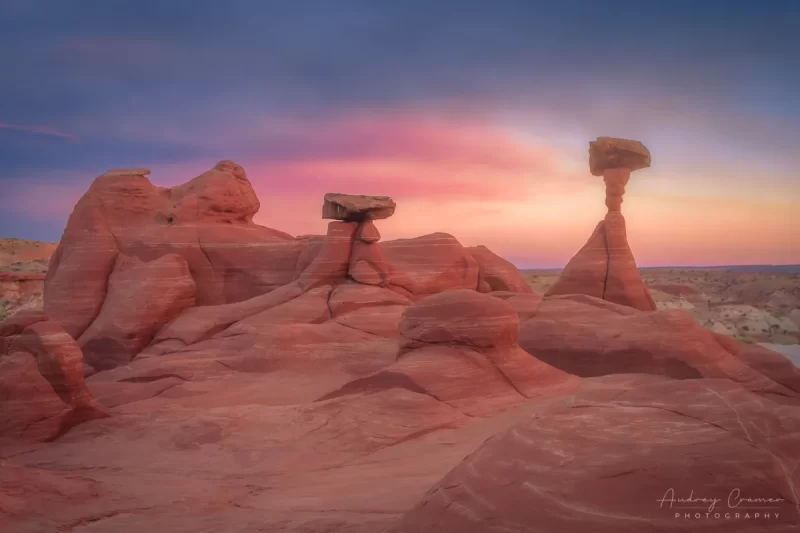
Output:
[[529, 201]]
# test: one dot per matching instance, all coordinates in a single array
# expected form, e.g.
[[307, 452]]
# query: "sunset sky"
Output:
[[475, 116]]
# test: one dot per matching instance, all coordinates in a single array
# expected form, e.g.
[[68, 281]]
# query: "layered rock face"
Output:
[[619, 464], [462, 348], [605, 266], [587, 337], [42, 386], [344, 384], [162, 251], [207, 222]]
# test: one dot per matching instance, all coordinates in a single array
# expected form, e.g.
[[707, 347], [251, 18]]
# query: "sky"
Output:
[[475, 116]]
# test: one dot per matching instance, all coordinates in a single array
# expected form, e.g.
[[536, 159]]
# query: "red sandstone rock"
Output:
[[461, 317], [199, 323], [430, 264], [311, 307], [30, 410], [499, 274], [607, 466], [367, 232], [772, 364], [368, 265], [380, 320], [16, 323], [207, 221], [525, 305], [357, 208], [605, 268], [609, 153], [332, 262], [75, 286], [350, 297], [615, 180], [141, 298], [461, 348], [38, 411], [589, 337]]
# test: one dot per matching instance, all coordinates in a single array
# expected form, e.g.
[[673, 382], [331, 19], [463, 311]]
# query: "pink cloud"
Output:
[[415, 157], [40, 130]]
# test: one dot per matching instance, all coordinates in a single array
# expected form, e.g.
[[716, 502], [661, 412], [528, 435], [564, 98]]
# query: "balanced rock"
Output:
[[357, 208], [605, 268], [609, 152]]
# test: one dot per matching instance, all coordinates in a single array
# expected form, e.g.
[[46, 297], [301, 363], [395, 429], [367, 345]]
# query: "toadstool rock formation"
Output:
[[367, 263], [605, 266], [196, 245]]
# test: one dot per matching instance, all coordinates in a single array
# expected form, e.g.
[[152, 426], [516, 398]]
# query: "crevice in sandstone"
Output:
[[148, 379], [384, 380], [90, 520], [504, 376], [360, 330], [608, 260], [42, 419], [328, 303]]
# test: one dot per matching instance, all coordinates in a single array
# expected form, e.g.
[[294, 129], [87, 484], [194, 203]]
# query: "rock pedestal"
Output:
[[605, 267], [367, 262], [615, 179]]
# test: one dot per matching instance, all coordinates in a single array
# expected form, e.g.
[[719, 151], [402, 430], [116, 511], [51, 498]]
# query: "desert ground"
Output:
[[182, 369], [23, 265]]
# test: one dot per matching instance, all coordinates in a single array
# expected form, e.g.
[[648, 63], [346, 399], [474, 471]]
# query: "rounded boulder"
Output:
[[461, 317]]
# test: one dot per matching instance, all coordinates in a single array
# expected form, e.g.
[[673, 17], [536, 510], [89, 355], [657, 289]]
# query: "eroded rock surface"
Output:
[[357, 208], [608, 467], [587, 336], [605, 268]]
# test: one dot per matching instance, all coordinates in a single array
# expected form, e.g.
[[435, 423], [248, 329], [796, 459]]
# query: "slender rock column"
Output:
[[615, 179]]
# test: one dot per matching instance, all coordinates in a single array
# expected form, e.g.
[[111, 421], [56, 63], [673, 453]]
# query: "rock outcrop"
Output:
[[462, 348], [207, 221], [619, 465], [497, 274], [196, 244], [605, 266], [587, 337], [42, 387], [430, 264], [326, 382], [141, 298]]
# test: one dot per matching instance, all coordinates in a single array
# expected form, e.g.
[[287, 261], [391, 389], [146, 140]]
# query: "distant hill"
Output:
[[769, 269]]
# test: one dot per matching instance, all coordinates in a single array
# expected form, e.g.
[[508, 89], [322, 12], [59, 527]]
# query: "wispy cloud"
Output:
[[38, 130]]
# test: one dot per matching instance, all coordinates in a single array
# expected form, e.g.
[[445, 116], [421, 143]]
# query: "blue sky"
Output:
[[711, 87]]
